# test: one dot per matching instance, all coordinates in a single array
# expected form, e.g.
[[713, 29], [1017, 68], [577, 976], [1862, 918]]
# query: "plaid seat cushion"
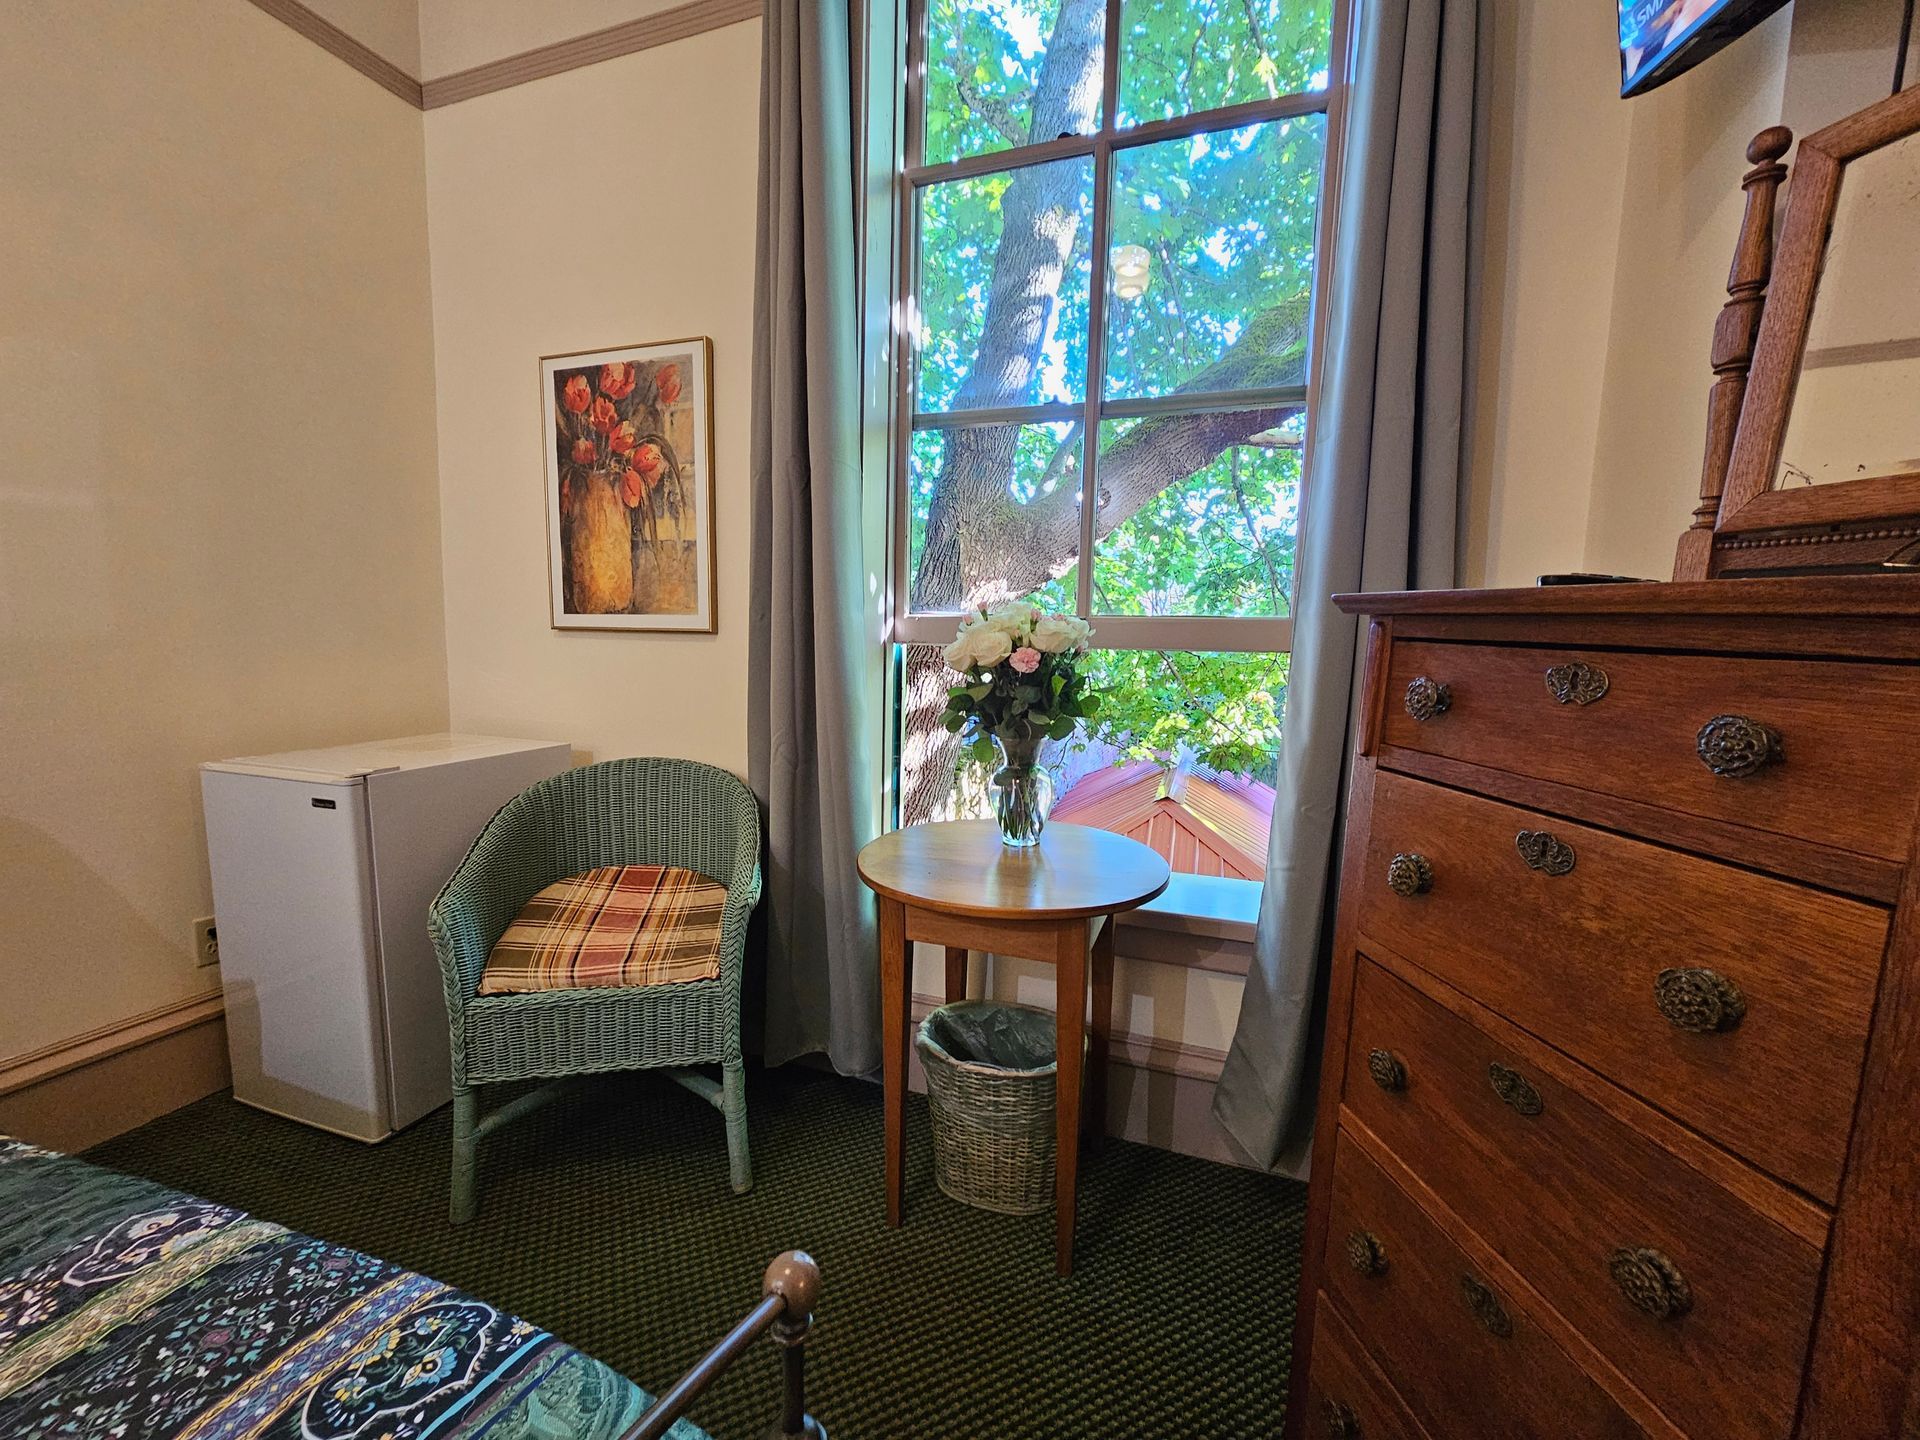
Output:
[[615, 925]]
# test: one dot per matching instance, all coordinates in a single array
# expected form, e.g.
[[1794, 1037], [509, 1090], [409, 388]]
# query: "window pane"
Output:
[[1183, 755], [1211, 275], [1216, 538], [994, 515], [1004, 72], [1179, 57], [1183, 758], [1004, 265]]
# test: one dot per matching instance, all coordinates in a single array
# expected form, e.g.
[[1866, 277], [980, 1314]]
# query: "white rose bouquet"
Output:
[[1022, 681]]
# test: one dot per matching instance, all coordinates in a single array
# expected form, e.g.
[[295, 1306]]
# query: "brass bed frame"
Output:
[[788, 1293]]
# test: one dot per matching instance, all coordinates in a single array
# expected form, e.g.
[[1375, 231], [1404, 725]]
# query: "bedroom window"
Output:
[[1110, 227]]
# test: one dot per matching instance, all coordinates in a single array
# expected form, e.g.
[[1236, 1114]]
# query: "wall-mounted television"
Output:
[[1660, 39]]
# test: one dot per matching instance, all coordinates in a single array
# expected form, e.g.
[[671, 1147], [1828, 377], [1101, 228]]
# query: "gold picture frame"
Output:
[[631, 525]]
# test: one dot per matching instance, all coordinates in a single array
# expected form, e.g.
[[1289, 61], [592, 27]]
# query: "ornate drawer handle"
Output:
[[1651, 1282], [1409, 874], [1342, 1423], [1699, 1000], [1366, 1254], [1486, 1306], [1514, 1088], [1734, 747], [1388, 1070], [1544, 852], [1427, 698], [1576, 683]]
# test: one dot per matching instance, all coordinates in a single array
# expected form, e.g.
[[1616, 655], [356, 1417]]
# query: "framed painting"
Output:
[[629, 470]]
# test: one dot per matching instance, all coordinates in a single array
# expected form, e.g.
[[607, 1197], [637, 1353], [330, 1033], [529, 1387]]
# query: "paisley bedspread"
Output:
[[128, 1310]]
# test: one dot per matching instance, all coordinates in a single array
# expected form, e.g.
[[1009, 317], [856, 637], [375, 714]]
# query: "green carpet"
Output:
[[607, 1218]]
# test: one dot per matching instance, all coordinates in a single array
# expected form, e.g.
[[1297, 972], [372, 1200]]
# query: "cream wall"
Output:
[[219, 520], [606, 206], [1679, 217], [1611, 226], [1557, 154]]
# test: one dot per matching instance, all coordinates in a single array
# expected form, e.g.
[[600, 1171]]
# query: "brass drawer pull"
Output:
[[1544, 852], [1576, 683], [1427, 697], [1342, 1423], [1699, 1000], [1734, 747], [1651, 1282], [1366, 1254], [1486, 1306], [1388, 1070], [1409, 874], [1514, 1088]]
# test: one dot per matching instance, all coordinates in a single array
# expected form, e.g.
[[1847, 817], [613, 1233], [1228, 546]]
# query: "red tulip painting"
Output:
[[630, 519]]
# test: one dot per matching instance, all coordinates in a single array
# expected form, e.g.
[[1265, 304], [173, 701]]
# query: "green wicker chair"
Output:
[[620, 812]]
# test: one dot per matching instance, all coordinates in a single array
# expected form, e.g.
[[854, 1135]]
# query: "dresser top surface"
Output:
[[1894, 596]]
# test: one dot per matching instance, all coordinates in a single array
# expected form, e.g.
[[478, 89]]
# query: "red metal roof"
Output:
[[1203, 825]]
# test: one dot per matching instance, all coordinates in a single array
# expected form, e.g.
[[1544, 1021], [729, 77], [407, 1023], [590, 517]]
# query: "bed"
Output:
[[128, 1310]]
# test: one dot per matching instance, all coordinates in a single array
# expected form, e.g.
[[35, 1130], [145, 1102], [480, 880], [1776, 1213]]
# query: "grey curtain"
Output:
[[1384, 494], [811, 729]]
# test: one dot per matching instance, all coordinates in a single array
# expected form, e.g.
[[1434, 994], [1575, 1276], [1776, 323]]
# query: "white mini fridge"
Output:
[[324, 863]]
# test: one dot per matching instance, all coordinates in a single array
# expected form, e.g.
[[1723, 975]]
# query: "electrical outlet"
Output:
[[206, 943]]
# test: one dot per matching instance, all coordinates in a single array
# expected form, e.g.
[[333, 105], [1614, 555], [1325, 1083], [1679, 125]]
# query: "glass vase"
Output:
[[1022, 792]]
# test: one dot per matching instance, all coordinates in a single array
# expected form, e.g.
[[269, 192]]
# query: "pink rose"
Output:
[[1026, 660]]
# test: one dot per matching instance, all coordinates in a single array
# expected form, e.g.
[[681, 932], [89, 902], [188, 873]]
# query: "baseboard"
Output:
[[1159, 1092], [97, 1085]]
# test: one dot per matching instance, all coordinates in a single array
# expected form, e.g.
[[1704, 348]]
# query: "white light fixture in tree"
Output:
[[1130, 271]]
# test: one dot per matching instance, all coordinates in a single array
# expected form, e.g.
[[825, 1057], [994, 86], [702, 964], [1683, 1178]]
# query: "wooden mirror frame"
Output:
[[1849, 525]]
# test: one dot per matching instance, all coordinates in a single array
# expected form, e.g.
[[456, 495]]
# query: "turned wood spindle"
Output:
[[1733, 341]]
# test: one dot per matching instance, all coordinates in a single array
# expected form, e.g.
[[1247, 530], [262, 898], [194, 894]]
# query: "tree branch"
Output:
[[998, 113]]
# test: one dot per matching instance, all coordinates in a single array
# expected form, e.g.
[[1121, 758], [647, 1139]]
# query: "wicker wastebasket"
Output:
[[990, 1085]]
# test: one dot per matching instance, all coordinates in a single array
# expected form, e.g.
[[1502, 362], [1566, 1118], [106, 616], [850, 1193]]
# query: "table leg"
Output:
[[1102, 987], [895, 999], [1070, 1018], [956, 973]]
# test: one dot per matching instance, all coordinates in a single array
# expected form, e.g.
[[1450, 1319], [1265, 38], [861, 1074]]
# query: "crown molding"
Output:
[[336, 42], [680, 23], [696, 17]]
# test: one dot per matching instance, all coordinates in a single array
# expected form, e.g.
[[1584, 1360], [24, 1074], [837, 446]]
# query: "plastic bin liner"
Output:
[[999, 1037]]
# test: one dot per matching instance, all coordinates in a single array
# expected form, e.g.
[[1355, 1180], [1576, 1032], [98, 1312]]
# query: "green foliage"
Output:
[[1219, 542], [1183, 56], [1222, 709]]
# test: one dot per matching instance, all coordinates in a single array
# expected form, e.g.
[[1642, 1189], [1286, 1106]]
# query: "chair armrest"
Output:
[[503, 869]]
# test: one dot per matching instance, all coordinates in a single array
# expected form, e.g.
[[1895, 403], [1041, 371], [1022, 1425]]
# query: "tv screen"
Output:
[[1659, 39]]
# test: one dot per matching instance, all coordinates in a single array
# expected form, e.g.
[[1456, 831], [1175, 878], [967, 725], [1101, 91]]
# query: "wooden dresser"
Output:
[[1619, 1128]]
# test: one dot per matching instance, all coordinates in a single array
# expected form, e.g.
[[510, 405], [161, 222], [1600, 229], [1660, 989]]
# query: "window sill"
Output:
[[1223, 908]]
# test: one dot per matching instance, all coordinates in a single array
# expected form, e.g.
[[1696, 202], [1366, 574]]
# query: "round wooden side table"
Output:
[[954, 884]]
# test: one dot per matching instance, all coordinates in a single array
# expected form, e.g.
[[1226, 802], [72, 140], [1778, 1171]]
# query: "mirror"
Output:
[[1856, 410]]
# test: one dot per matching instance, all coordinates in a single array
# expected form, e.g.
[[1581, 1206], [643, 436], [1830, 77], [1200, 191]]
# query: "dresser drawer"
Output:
[[1584, 1206], [1577, 958], [1849, 756], [1460, 1350], [1346, 1399]]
